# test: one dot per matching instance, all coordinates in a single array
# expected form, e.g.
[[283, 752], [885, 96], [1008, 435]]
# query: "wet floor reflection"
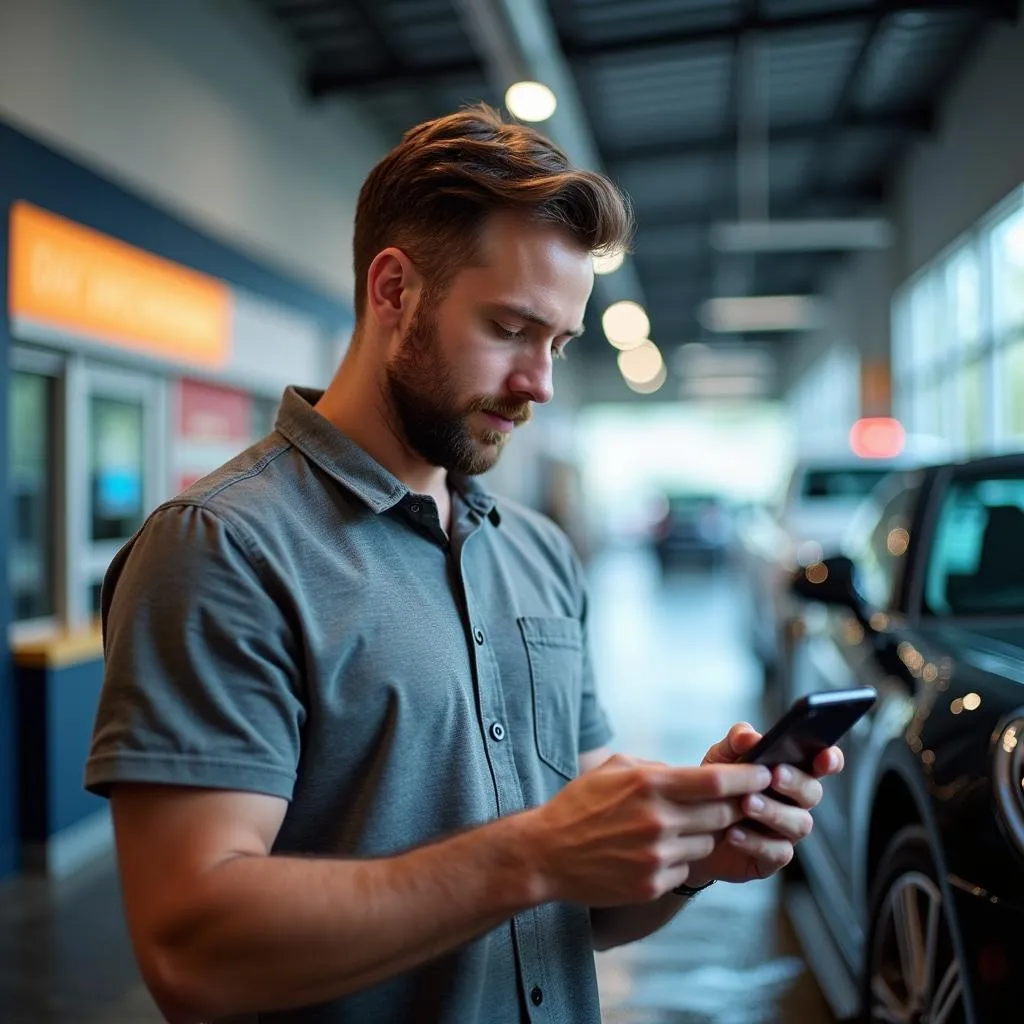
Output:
[[674, 674]]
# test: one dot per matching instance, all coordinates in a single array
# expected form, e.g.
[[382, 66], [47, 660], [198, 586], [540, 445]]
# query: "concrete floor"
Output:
[[674, 676]]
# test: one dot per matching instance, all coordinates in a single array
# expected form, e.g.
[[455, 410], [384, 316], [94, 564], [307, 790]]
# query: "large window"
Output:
[[958, 338], [32, 466]]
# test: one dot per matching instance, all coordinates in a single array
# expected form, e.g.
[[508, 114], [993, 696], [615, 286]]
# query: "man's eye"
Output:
[[504, 332]]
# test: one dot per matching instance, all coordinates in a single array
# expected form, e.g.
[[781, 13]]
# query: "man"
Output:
[[348, 693]]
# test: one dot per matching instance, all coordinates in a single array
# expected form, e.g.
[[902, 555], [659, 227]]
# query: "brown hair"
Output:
[[431, 195]]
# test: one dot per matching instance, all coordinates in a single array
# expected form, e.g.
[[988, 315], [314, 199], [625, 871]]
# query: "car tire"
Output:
[[924, 980]]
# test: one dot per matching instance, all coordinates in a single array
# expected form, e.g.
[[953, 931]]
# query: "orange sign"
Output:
[[71, 278]]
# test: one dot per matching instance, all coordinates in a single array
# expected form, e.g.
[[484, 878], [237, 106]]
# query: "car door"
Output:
[[843, 648]]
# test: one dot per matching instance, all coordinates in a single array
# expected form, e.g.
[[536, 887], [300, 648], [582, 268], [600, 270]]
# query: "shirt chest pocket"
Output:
[[554, 647]]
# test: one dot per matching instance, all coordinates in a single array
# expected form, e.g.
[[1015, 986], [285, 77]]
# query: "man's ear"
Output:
[[393, 286]]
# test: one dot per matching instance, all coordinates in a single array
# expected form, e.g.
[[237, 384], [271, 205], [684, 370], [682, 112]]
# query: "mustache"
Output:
[[516, 412]]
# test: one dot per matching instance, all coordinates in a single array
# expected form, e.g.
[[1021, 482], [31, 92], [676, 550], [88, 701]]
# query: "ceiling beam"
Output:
[[370, 19], [325, 80], [640, 46], [726, 143], [329, 79], [863, 201], [845, 105]]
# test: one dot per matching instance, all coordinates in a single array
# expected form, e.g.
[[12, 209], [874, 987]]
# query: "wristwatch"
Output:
[[688, 890]]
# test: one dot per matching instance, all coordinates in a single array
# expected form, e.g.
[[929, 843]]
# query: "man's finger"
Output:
[[713, 817], [779, 820], [712, 782], [742, 737], [769, 854], [829, 762], [804, 790]]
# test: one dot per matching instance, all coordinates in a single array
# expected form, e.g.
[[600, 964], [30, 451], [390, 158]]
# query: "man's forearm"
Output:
[[618, 926], [269, 933]]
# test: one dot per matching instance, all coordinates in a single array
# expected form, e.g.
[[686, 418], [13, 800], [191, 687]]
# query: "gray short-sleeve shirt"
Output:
[[298, 624]]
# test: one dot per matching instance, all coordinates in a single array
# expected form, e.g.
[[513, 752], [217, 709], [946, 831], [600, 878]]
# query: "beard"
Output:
[[433, 420]]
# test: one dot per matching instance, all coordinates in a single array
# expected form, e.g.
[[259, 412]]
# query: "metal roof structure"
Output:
[[842, 87]]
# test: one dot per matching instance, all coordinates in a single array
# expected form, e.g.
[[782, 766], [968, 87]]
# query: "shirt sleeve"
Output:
[[201, 684]]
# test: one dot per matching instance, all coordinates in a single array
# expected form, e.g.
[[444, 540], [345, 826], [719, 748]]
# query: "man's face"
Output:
[[470, 367]]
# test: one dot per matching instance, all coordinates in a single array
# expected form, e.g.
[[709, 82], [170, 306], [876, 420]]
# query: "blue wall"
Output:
[[40, 175]]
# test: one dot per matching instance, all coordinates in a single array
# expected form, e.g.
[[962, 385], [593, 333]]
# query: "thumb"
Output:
[[741, 738]]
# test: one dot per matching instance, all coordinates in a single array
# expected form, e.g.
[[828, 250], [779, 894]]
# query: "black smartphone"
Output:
[[814, 723]]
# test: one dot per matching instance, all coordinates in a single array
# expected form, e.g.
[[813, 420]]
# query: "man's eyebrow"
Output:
[[533, 317]]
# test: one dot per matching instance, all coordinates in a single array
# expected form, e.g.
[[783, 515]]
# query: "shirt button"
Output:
[[536, 996], [497, 732], [414, 508], [478, 635]]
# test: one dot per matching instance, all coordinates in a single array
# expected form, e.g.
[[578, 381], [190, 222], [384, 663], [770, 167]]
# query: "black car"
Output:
[[909, 894], [694, 529]]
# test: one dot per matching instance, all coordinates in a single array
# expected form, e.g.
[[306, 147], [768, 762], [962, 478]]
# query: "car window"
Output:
[[976, 565], [879, 555], [841, 483]]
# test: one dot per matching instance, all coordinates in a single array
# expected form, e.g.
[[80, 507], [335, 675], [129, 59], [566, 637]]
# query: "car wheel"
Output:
[[913, 973]]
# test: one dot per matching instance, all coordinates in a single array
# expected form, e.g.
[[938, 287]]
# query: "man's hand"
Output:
[[744, 854], [629, 831]]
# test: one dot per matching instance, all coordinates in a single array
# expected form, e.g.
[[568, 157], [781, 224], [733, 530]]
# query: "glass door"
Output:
[[121, 468]]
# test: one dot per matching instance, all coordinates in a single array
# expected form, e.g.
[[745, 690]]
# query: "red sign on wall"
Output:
[[213, 424], [210, 413]]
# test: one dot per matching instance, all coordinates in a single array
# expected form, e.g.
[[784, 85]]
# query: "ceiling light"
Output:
[[642, 364], [626, 324], [609, 263], [530, 101], [651, 386], [761, 313], [837, 234], [724, 387]]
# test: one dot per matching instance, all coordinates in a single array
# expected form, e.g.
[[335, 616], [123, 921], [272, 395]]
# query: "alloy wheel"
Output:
[[915, 973]]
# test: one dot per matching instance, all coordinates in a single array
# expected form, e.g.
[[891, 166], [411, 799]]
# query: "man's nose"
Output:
[[533, 380]]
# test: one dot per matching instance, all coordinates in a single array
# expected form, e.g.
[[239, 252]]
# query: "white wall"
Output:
[[975, 159], [196, 104]]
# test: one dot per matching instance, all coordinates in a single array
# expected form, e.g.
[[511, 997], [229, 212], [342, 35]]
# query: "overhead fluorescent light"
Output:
[[757, 313], [724, 387], [834, 234], [725, 360]]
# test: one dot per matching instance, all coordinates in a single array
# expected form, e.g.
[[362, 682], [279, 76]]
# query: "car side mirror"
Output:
[[827, 582]]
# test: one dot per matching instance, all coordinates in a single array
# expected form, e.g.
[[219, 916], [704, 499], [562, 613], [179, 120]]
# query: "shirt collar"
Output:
[[339, 456]]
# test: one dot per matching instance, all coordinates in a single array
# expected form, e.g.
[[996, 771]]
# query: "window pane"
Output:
[[33, 471], [963, 289], [973, 405], [925, 345], [1008, 271], [116, 467], [928, 413], [1011, 374]]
